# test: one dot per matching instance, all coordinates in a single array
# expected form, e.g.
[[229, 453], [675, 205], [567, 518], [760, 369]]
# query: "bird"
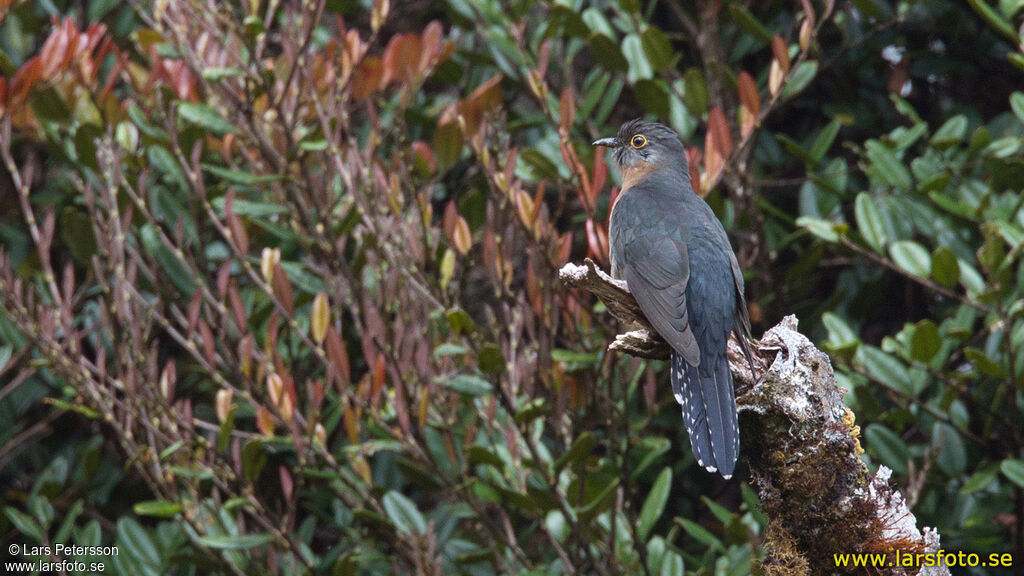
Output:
[[676, 259]]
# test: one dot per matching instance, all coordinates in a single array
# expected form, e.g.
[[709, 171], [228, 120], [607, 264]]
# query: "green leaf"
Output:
[[607, 52], [889, 167], [5, 355], [950, 133], [1017, 104], [24, 523], [447, 143], [823, 141], [869, 222], [172, 266], [821, 228], [889, 448], [945, 269], [241, 177], [994, 20], [249, 208], [657, 47], [840, 334], [639, 66], [580, 449], [655, 446], [884, 368], [800, 78], [748, 22], [158, 508], [926, 341], [949, 446], [695, 92], [469, 385], [672, 564], [983, 363], [490, 359], [135, 543], [699, 533], [236, 542], [654, 505], [911, 257], [652, 95], [981, 479], [1013, 469], [403, 513], [480, 455], [205, 117], [218, 73]]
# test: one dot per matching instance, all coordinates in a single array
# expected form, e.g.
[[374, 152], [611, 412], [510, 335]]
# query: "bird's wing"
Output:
[[656, 271]]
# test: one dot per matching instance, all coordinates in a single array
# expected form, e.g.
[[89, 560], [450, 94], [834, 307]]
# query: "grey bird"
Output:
[[674, 255]]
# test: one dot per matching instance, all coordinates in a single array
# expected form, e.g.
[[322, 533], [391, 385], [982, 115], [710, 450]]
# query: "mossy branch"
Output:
[[801, 443]]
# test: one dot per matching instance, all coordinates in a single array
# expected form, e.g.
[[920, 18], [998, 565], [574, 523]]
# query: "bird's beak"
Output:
[[607, 142]]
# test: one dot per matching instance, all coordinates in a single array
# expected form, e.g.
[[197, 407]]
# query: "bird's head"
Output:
[[640, 147]]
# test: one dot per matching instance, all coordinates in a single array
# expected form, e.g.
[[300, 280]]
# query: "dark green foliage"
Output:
[[278, 293]]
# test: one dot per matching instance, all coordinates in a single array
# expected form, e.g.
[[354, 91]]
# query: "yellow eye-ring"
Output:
[[638, 141]]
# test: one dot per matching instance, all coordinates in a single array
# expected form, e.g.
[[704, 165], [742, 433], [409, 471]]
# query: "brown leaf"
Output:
[[24, 79], [283, 289], [193, 310], [525, 208], [566, 109], [749, 96], [238, 232], [350, 421], [719, 128], [223, 277], [693, 157], [209, 344], [485, 98], [781, 52], [338, 356], [265, 421], [368, 78], [237, 308], [401, 58]]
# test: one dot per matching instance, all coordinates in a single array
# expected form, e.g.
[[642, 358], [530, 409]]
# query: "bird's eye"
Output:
[[638, 141]]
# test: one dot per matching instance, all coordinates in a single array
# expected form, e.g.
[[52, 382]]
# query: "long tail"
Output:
[[709, 411]]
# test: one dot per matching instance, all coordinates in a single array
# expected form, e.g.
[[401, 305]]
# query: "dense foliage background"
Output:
[[278, 280]]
